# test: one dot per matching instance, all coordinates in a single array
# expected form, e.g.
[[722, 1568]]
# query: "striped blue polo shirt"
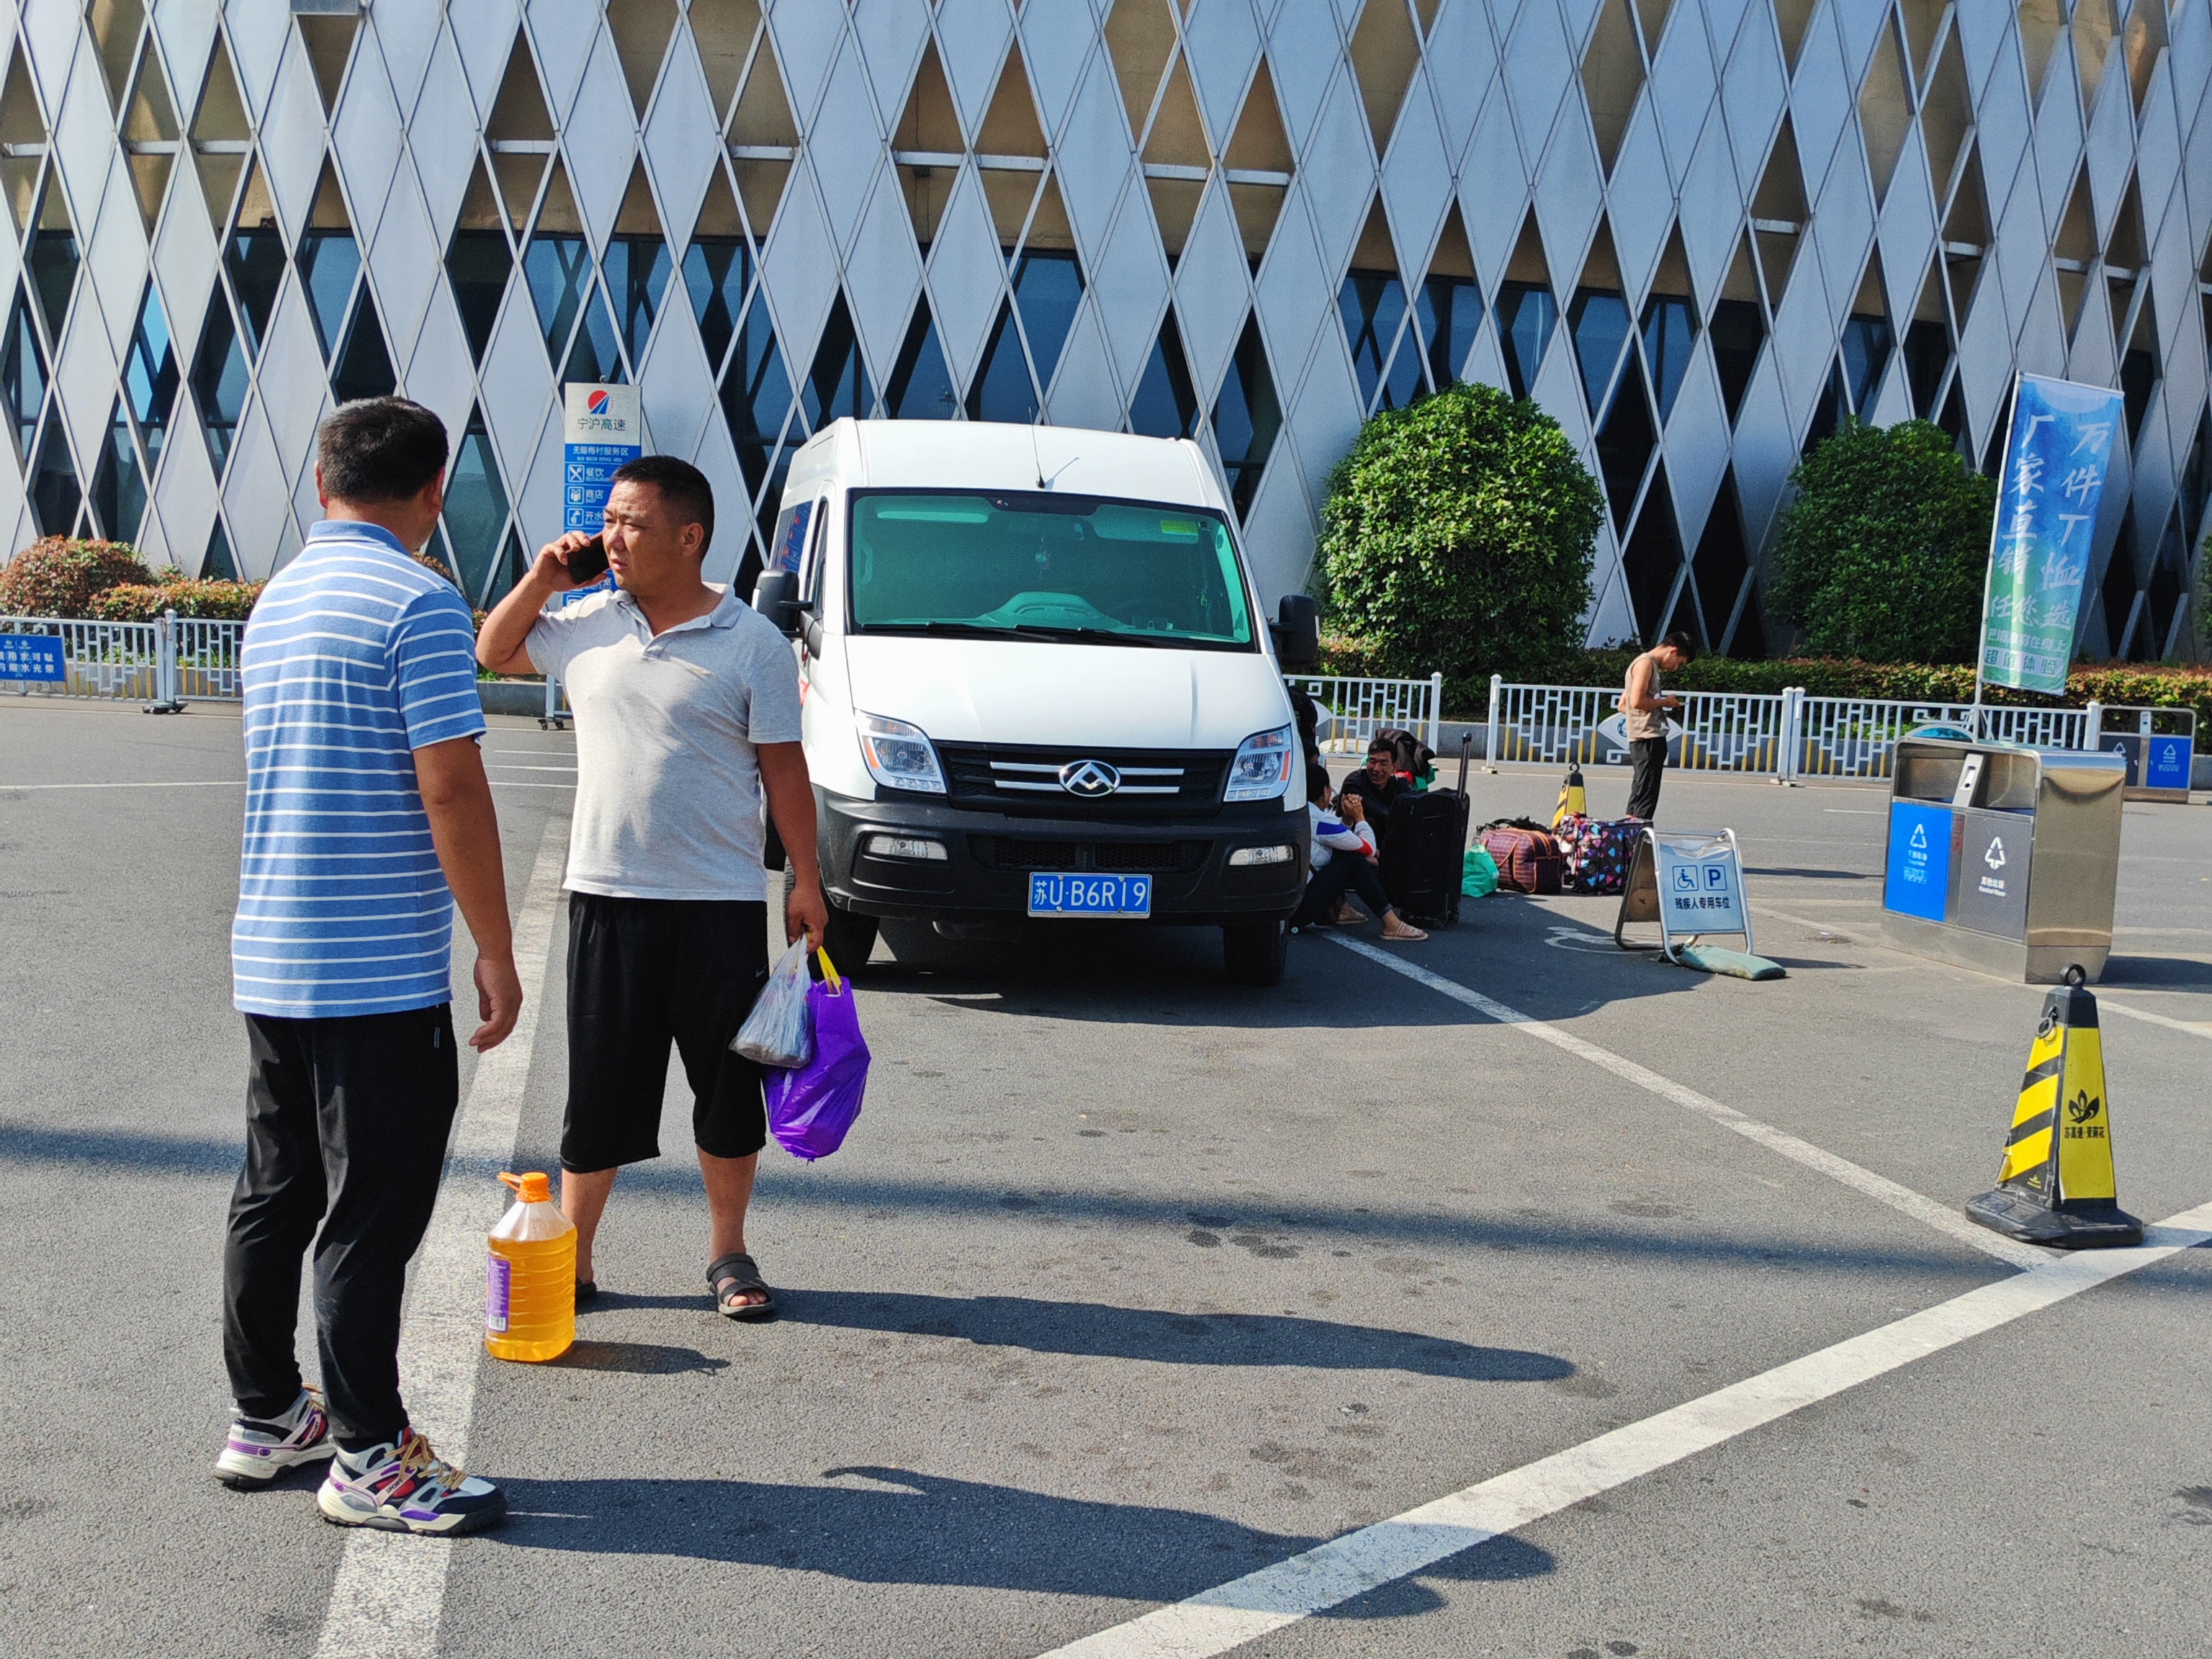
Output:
[[354, 656]]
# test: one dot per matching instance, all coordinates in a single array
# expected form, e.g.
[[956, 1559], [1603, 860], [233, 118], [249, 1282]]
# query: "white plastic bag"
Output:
[[780, 1031]]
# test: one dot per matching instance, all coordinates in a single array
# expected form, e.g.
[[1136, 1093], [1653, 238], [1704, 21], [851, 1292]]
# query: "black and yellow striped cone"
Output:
[[2055, 1185], [1572, 799]]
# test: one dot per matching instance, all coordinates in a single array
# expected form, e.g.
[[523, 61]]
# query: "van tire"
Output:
[[850, 938], [1253, 952]]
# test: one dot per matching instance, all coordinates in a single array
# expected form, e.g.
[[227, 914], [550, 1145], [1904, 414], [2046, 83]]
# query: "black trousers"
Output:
[[1345, 871], [1650, 754], [346, 1122]]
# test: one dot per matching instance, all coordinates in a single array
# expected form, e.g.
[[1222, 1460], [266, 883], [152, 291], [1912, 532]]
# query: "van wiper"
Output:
[[1097, 636], [953, 629]]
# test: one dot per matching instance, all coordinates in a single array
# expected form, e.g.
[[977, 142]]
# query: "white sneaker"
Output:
[[407, 1488], [259, 1450]]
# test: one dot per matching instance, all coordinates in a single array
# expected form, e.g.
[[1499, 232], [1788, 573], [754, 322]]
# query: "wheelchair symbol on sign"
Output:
[[1686, 879]]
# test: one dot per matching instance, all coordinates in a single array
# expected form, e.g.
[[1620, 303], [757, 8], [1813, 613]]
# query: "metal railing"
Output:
[[1784, 734], [1353, 710], [168, 659]]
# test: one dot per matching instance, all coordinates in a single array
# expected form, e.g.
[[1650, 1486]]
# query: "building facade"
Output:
[[1700, 232]]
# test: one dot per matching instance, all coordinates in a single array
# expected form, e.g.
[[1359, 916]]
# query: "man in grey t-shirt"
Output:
[[687, 709]]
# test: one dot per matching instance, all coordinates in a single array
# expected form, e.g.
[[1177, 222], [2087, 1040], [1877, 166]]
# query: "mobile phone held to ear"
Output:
[[589, 562]]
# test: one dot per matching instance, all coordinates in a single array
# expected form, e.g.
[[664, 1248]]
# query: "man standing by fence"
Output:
[[367, 814], [1644, 710]]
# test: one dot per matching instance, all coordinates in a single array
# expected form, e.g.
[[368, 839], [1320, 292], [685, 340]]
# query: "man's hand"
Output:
[[499, 1001], [1351, 809], [503, 642], [550, 569], [806, 911]]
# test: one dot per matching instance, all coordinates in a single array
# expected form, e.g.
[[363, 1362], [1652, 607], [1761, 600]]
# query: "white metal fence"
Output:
[[166, 661], [1353, 710], [1785, 734]]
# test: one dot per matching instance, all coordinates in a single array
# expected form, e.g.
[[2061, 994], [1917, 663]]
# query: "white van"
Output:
[[1037, 682]]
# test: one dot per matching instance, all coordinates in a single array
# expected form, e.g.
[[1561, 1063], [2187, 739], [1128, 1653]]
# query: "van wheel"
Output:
[[850, 938], [1253, 952]]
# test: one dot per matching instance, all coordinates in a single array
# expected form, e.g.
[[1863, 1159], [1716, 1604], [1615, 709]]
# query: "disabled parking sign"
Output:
[[1700, 884]]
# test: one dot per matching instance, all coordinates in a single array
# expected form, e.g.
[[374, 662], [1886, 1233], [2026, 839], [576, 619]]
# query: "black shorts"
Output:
[[643, 973]]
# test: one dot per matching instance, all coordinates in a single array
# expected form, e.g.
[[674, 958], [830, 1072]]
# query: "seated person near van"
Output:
[[1376, 784], [1344, 860]]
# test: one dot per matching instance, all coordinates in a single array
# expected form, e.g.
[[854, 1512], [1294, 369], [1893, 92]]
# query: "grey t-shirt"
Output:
[[667, 781]]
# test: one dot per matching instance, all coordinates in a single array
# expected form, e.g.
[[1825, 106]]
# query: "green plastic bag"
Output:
[[1478, 874]]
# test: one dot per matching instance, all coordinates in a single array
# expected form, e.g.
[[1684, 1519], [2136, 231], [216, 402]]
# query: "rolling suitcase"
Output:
[[1424, 853]]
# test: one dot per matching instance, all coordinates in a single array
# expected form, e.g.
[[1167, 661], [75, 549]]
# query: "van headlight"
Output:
[[1262, 771], [899, 756]]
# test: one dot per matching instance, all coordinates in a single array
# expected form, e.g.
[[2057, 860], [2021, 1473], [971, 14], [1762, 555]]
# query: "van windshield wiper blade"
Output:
[[1100, 635]]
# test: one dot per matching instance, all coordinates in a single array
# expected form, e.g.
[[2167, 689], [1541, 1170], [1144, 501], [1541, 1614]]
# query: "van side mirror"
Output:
[[1296, 630], [776, 596]]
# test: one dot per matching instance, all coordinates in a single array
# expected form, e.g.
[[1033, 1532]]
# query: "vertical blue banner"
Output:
[[600, 428], [2046, 518]]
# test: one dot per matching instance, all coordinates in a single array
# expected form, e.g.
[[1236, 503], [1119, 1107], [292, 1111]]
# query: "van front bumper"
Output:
[[990, 856]]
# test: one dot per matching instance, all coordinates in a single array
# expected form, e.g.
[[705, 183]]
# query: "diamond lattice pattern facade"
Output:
[[1700, 232]]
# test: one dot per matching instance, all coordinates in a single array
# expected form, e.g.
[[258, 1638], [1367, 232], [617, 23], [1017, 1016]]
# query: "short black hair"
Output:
[[1681, 642], [379, 449], [1382, 746], [683, 489], [1316, 780]]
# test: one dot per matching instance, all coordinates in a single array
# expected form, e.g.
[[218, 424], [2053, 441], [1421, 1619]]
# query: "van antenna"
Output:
[[1044, 481]]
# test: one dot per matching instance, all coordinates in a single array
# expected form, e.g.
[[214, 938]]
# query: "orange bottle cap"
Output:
[[535, 1187]]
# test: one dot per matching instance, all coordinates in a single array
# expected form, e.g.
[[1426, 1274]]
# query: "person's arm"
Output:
[[466, 829], [503, 646], [1639, 698], [790, 793]]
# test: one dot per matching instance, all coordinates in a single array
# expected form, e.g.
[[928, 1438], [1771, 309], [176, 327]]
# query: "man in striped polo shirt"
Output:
[[368, 814]]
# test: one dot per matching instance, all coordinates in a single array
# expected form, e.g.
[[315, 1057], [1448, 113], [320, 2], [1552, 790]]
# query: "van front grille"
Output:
[[1026, 778]]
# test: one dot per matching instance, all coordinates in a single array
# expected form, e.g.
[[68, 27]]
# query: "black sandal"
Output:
[[743, 1275]]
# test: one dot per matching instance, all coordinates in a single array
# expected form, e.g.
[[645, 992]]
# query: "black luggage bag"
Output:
[[1423, 854]]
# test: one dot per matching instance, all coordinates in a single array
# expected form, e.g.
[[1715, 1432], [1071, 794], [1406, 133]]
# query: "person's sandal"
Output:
[[1347, 916], [1399, 931], [730, 1278]]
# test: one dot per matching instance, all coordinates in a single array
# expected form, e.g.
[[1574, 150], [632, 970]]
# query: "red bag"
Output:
[[1528, 860]]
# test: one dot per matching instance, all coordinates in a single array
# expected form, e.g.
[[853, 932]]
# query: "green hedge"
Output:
[[2157, 686], [215, 600]]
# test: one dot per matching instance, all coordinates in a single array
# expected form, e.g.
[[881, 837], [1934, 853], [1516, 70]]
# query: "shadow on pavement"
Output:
[[908, 1528], [639, 1359], [1102, 1331], [2156, 974]]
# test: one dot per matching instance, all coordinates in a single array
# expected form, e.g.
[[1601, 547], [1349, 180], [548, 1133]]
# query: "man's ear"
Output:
[[432, 495], [695, 540], [322, 496]]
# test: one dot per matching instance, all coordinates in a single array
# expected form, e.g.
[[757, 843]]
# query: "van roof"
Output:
[[993, 455]]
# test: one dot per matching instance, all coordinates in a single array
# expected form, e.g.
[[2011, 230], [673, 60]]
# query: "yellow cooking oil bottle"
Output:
[[530, 1289]]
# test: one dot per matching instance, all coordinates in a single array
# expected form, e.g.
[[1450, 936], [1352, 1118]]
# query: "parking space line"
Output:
[[1856, 1177], [2194, 1028], [389, 1591], [184, 783], [1246, 1609]]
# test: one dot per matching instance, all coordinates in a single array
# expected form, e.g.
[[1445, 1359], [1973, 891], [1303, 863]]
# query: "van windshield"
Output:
[[1036, 565]]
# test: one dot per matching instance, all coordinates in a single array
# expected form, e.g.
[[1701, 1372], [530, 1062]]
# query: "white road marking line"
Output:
[[511, 766], [389, 1591], [2195, 1028], [190, 783], [1246, 1609], [1881, 1188], [1855, 812], [518, 783]]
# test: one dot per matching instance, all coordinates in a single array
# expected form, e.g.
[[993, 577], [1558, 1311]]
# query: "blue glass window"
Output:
[[558, 266], [596, 354], [118, 485], [755, 394], [363, 369], [1867, 341], [219, 379], [255, 260], [1670, 329], [1624, 443], [637, 271], [476, 264], [1049, 287], [475, 508], [1450, 310], [920, 386], [1246, 417], [329, 261], [716, 271], [1373, 305], [52, 258], [837, 385], [1738, 330], [1598, 320], [1002, 391], [149, 375], [23, 374], [1165, 405], [55, 497], [216, 564], [1527, 314]]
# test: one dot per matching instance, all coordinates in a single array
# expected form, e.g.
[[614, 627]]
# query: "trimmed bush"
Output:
[[1459, 535], [216, 600], [1882, 554], [59, 576]]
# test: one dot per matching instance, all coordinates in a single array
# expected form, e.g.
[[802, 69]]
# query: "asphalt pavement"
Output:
[[1131, 1282]]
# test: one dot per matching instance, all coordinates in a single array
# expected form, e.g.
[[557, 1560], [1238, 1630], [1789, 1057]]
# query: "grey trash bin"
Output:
[[2001, 859]]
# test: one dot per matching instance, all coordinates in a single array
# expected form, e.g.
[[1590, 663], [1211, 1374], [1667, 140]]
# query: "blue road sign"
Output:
[[31, 657]]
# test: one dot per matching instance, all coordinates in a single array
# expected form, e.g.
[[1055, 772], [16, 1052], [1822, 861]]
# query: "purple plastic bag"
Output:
[[811, 1109]]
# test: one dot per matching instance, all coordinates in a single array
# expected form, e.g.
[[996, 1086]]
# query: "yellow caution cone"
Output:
[[1572, 799], [2055, 1185]]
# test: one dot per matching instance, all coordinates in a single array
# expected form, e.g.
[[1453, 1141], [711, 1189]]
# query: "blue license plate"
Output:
[[1091, 895]]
